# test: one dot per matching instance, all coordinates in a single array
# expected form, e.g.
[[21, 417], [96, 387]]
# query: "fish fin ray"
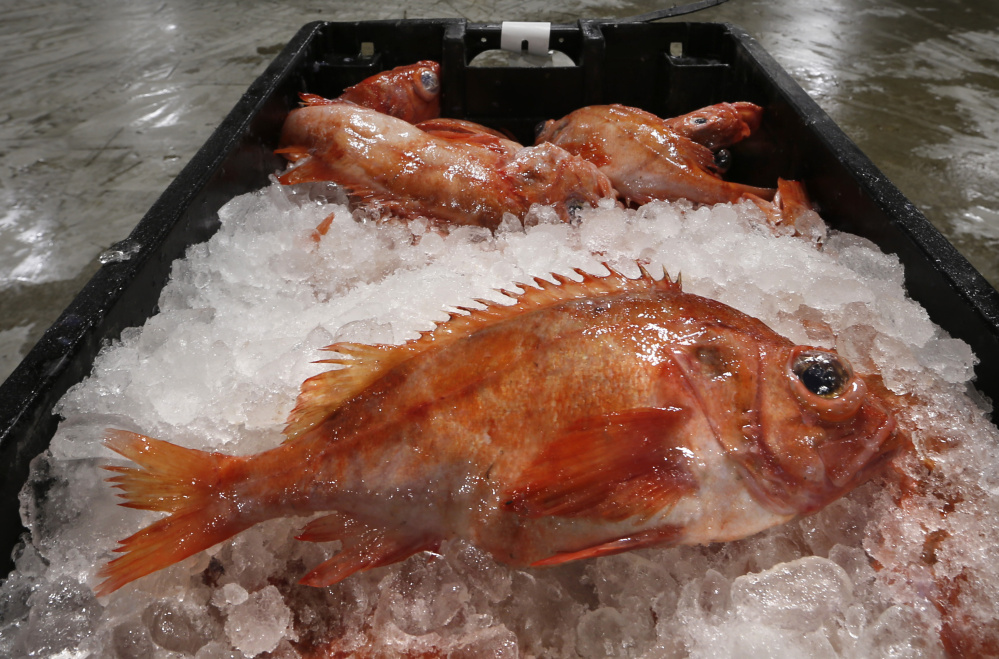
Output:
[[322, 394], [364, 364], [173, 479], [364, 547], [607, 467], [657, 536], [310, 171]]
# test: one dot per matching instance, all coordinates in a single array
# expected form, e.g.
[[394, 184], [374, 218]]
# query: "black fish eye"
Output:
[[822, 373], [723, 159], [700, 120], [429, 81]]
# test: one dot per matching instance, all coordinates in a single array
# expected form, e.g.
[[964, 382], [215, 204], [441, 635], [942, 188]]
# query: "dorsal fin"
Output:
[[362, 365]]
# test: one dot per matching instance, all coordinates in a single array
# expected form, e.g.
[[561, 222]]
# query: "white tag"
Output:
[[514, 34]]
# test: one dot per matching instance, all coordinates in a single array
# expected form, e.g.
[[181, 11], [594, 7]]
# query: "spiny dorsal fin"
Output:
[[362, 364]]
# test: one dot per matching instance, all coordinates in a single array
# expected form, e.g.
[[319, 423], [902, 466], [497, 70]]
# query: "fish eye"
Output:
[[723, 160], [700, 121], [822, 373], [430, 81]]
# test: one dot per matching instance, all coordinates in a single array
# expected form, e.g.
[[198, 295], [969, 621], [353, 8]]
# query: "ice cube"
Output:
[[260, 623]]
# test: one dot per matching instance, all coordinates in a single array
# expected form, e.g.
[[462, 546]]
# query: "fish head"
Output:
[[411, 93], [551, 175], [820, 429], [720, 125], [803, 427]]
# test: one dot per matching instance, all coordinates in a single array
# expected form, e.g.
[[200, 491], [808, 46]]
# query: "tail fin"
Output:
[[184, 482]]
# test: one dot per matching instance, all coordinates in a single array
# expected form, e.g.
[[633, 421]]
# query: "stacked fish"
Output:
[[594, 415], [383, 141]]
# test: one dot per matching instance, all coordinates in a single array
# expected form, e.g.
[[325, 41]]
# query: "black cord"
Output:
[[672, 11]]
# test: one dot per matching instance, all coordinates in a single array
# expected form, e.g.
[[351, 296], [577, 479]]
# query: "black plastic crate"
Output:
[[667, 68]]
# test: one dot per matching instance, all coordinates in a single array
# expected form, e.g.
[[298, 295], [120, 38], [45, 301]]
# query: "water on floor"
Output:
[[104, 103]]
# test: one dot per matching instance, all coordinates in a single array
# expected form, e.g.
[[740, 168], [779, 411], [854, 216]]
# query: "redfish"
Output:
[[399, 168], [589, 418], [643, 157], [411, 93]]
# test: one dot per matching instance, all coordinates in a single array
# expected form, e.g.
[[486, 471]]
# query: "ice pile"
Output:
[[902, 567]]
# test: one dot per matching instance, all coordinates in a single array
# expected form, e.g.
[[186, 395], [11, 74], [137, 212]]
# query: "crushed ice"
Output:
[[901, 567]]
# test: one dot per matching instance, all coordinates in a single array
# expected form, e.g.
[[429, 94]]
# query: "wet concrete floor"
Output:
[[102, 104]]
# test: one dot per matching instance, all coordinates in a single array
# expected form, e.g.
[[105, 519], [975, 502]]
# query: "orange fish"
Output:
[[411, 93], [397, 167], [643, 157], [718, 126], [589, 418]]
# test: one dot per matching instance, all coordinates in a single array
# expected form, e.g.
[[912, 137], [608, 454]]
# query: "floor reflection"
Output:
[[104, 103]]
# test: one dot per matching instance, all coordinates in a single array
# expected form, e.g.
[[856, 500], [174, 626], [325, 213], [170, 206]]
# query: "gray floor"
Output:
[[102, 104]]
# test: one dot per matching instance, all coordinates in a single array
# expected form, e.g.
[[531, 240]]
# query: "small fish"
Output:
[[643, 157], [591, 417], [411, 93], [718, 126], [465, 176]]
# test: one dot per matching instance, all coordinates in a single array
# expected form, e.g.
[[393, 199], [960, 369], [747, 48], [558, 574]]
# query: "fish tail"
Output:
[[184, 482]]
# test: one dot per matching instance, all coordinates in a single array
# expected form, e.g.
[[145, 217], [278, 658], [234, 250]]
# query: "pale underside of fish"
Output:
[[644, 157], [460, 179], [588, 418]]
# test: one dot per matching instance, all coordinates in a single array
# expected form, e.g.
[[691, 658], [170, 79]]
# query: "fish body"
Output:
[[719, 125], [591, 417], [411, 93], [643, 157], [395, 166]]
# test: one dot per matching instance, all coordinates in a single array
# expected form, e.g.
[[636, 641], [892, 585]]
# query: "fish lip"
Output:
[[833, 409]]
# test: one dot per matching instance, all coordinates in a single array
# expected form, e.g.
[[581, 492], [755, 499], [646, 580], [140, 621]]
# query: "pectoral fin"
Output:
[[608, 467]]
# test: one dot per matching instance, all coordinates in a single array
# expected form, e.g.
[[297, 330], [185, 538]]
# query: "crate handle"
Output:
[[520, 36]]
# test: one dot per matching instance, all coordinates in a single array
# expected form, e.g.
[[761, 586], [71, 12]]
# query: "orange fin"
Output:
[[315, 99], [364, 364], [610, 467], [170, 478], [658, 536], [364, 548], [322, 394], [313, 169]]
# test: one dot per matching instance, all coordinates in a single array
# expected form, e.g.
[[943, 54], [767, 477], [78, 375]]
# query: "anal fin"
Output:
[[364, 547], [649, 538], [609, 467]]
